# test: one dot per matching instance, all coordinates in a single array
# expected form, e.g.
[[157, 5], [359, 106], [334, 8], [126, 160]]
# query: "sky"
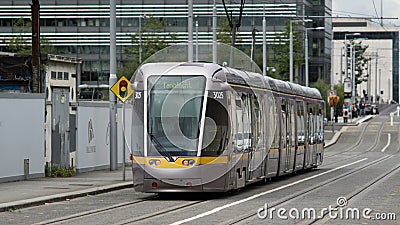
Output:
[[365, 8]]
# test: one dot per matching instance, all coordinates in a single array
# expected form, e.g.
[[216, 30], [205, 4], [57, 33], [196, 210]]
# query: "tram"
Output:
[[203, 127]]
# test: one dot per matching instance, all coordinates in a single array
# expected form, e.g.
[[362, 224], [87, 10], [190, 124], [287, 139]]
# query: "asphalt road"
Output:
[[359, 183]]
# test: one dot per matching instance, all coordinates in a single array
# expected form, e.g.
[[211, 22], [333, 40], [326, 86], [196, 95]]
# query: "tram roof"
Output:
[[235, 76]]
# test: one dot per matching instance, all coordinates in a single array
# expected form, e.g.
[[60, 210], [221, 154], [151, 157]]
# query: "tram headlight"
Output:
[[188, 162], [154, 162]]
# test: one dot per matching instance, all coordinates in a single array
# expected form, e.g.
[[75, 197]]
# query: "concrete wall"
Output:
[[22, 135], [93, 135]]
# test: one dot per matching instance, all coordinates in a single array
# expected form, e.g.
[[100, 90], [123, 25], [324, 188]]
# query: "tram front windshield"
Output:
[[174, 111]]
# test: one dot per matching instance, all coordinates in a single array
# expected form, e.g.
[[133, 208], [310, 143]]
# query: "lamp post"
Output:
[[341, 65], [197, 38], [140, 39], [291, 47], [306, 51]]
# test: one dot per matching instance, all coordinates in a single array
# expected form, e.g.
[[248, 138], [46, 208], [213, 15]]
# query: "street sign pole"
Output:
[[123, 90], [123, 142], [113, 78]]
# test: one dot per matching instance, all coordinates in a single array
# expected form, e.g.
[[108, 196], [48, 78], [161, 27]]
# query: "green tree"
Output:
[[21, 45], [224, 34], [361, 64], [151, 42], [281, 50], [324, 88]]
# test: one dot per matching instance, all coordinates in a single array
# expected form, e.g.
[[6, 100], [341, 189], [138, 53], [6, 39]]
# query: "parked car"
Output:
[[371, 109], [375, 109], [368, 109]]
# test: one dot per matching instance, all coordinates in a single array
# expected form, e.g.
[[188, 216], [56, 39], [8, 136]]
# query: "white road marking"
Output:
[[387, 145], [262, 193]]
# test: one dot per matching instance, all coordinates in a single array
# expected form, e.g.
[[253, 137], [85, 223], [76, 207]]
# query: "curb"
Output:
[[63, 196]]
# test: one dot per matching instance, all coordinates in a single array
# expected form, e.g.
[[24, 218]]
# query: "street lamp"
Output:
[[306, 51], [197, 37], [291, 47]]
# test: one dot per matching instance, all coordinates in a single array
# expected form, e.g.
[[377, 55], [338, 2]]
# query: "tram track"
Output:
[[93, 212], [107, 210], [363, 190], [357, 144], [142, 219], [312, 189]]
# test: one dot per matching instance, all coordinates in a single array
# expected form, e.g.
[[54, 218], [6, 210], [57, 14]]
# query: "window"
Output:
[[66, 76], [59, 75], [217, 113], [53, 75]]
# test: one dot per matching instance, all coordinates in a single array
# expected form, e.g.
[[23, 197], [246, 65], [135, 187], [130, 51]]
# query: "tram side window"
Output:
[[247, 123], [275, 143], [238, 135], [292, 125], [270, 120], [320, 126], [300, 124], [216, 112], [311, 126], [284, 124], [258, 125]]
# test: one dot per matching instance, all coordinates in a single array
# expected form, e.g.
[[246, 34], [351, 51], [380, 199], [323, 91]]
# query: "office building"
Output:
[[80, 28]]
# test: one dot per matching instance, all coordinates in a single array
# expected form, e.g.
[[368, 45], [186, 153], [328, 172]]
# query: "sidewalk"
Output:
[[37, 191]]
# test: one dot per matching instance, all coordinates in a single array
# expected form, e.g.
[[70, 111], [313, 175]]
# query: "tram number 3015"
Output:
[[218, 94]]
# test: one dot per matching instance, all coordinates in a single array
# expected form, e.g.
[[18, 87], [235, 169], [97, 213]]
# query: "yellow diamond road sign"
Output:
[[122, 89]]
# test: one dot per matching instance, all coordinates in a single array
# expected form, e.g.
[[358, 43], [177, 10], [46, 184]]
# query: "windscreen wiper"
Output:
[[160, 148]]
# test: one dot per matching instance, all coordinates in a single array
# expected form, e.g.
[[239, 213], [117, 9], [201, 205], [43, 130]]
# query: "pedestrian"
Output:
[[362, 109]]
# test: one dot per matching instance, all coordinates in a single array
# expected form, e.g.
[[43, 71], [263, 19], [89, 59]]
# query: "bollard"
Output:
[[26, 169], [398, 111], [391, 119]]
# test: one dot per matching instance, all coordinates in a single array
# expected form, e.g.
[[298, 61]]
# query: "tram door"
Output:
[[310, 136], [236, 177], [285, 131], [257, 139]]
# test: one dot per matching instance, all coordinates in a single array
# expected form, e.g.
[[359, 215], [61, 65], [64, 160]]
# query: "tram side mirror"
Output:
[[135, 85], [219, 76]]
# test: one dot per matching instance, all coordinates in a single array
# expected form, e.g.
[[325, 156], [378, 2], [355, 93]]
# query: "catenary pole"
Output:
[[190, 31], [112, 81], [264, 30], [214, 30]]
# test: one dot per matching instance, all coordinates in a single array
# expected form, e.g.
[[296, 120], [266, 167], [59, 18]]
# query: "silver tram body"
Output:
[[201, 127]]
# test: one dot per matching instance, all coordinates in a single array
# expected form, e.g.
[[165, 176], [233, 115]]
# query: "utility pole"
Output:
[[341, 66], [112, 81], [36, 76], [140, 39], [290, 52], [264, 28], [214, 30], [190, 31], [197, 38], [376, 75]]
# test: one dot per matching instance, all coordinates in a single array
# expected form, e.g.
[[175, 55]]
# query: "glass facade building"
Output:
[[80, 28]]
